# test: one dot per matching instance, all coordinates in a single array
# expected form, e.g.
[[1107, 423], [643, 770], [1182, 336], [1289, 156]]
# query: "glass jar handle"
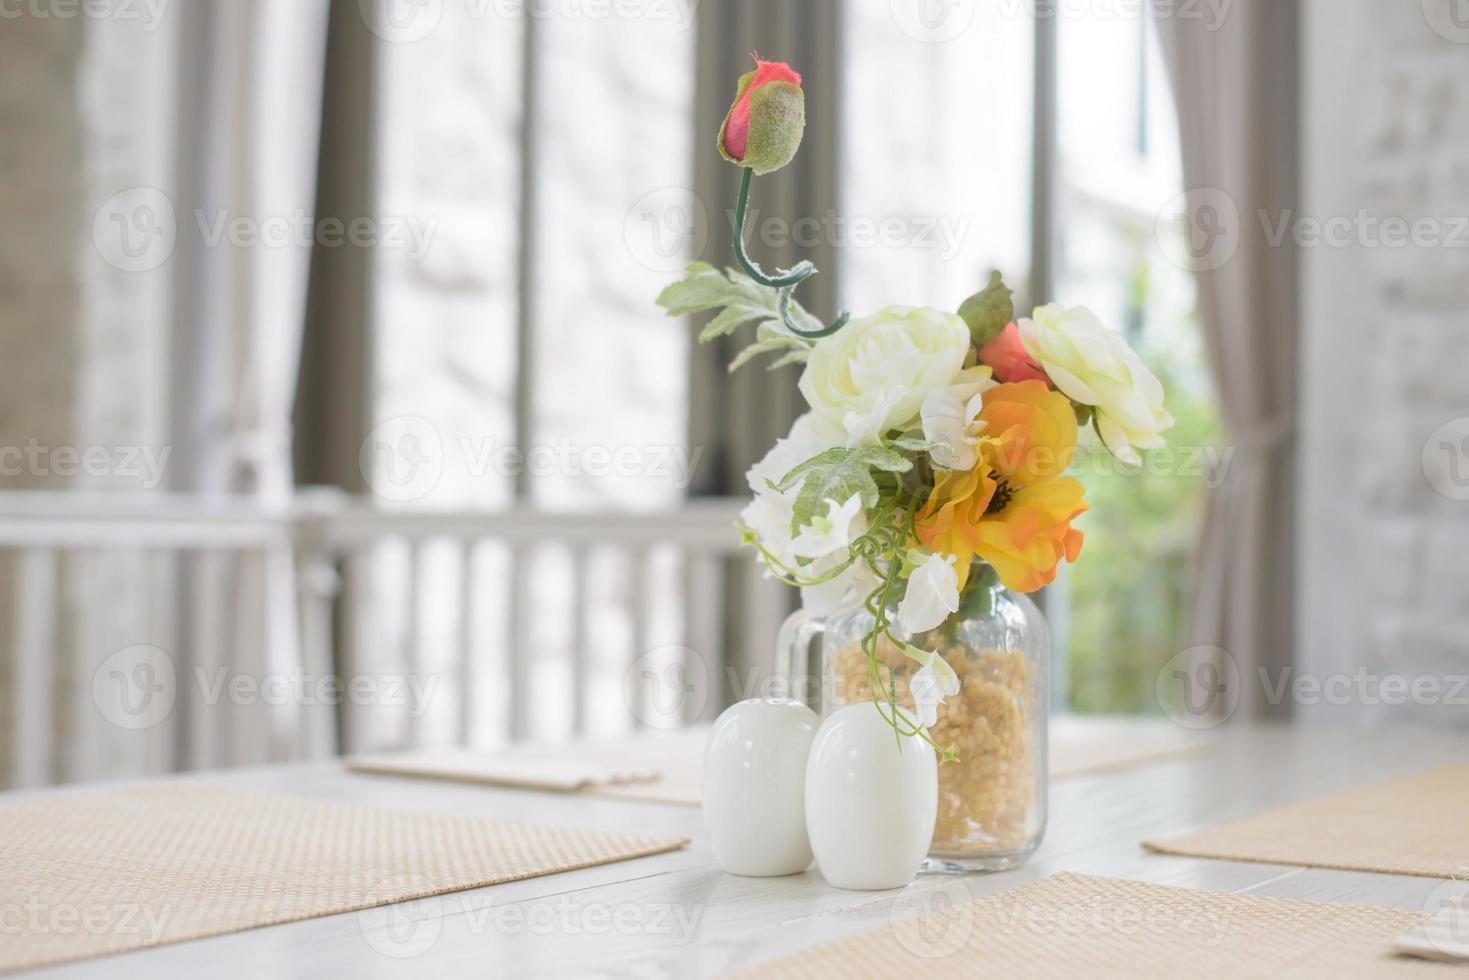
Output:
[[793, 655]]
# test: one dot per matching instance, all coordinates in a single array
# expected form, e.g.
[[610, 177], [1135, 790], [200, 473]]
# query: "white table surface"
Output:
[[675, 915]]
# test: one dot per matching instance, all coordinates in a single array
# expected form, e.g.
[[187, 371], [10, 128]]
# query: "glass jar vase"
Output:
[[992, 800]]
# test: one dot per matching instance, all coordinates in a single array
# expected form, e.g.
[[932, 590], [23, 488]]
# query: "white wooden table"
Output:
[[675, 915]]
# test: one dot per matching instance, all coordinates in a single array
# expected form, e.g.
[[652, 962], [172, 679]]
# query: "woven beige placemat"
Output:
[[83, 874], [1078, 926], [1416, 825]]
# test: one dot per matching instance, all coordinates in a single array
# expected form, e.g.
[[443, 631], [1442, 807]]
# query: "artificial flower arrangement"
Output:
[[932, 438]]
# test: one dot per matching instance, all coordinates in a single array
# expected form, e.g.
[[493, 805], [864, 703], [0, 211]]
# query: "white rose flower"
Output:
[[951, 418], [1093, 366], [872, 375], [932, 596], [770, 514]]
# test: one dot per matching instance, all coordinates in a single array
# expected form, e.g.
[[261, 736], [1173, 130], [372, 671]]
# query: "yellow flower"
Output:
[[1013, 509]]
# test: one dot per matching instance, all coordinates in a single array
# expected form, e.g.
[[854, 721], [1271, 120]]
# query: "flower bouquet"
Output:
[[924, 492]]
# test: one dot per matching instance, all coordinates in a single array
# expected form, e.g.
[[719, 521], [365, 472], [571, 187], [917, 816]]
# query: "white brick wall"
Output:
[[1384, 570]]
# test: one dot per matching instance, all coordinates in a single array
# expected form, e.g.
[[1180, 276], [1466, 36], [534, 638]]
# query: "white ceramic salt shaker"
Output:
[[754, 787], [870, 808]]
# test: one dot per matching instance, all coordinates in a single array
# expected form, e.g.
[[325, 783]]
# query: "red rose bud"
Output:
[[763, 128], [1007, 357]]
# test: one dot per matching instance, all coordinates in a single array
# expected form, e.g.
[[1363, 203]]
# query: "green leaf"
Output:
[[730, 319], [910, 443], [740, 301], [988, 311], [794, 357], [770, 336], [774, 332], [754, 350], [864, 458], [879, 457], [838, 474], [704, 287]]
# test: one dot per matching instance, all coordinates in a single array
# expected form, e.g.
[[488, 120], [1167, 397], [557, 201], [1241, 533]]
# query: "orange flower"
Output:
[[1014, 509]]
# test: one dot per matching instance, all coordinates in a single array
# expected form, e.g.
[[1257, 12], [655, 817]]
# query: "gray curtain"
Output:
[[251, 81], [1236, 85], [736, 418], [332, 392]]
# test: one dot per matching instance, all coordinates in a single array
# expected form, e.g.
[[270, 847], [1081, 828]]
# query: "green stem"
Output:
[[794, 277], [882, 543], [787, 281], [884, 694], [792, 577]]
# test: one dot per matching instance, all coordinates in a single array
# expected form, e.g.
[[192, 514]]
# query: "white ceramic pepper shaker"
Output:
[[871, 800], [754, 787]]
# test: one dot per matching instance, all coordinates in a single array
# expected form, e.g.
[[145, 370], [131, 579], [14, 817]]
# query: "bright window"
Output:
[[1119, 613], [950, 145]]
